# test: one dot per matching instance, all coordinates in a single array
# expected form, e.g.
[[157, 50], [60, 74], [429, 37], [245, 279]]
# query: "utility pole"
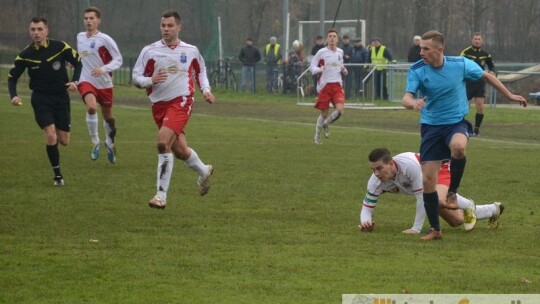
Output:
[[321, 17], [285, 27]]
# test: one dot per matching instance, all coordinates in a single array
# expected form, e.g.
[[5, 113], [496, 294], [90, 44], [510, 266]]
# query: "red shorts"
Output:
[[103, 96], [173, 114], [332, 92], [444, 174]]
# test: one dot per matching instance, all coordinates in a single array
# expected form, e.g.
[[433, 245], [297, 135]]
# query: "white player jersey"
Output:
[[408, 179], [98, 50], [333, 64], [183, 63]]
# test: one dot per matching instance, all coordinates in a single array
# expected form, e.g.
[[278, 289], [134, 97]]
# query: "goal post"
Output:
[[354, 28]]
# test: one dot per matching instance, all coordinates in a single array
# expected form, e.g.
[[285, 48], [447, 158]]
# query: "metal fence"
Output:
[[302, 84]]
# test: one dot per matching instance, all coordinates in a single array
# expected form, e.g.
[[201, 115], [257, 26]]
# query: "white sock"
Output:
[[195, 163], [333, 117], [464, 203], [319, 125], [485, 211], [92, 123], [108, 130], [164, 172]]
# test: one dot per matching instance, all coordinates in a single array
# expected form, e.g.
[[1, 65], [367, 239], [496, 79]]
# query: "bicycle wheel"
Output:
[[214, 80], [232, 84], [280, 83]]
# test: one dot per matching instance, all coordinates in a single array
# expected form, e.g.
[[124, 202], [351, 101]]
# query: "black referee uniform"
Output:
[[478, 88], [46, 67], [48, 77]]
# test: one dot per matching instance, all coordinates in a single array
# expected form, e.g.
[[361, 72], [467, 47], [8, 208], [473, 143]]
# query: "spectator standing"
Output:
[[380, 55], [249, 56], [347, 54], [100, 57], [45, 59], [477, 89], [414, 51], [359, 55], [272, 58], [319, 44], [293, 68]]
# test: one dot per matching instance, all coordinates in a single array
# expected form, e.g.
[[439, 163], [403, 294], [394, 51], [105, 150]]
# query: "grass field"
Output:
[[279, 223]]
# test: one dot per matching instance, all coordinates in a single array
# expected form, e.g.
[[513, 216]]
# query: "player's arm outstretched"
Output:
[[368, 206], [499, 86], [420, 215]]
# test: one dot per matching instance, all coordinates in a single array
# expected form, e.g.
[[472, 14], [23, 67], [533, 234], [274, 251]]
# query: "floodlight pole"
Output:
[[321, 17], [219, 39], [286, 27]]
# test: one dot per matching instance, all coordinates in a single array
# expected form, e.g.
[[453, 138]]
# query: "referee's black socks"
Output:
[[54, 158]]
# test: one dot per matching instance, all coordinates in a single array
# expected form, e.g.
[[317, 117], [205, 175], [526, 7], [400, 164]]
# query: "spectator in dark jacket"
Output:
[[347, 53], [414, 51], [249, 56], [359, 55]]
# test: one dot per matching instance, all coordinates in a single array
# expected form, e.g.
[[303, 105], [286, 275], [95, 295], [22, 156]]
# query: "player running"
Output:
[[403, 174], [168, 70], [328, 64], [100, 56]]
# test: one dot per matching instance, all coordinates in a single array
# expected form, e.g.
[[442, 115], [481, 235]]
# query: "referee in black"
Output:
[[477, 89], [46, 60]]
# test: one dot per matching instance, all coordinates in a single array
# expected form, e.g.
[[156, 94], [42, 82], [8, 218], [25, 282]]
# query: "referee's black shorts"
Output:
[[476, 89], [52, 109]]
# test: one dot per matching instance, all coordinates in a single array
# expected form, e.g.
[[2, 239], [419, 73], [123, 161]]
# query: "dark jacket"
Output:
[[347, 51], [414, 54], [316, 48], [359, 55], [249, 55]]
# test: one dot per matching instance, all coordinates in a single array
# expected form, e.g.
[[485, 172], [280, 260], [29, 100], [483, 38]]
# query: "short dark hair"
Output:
[[332, 30], [38, 20], [249, 39], [345, 37], [434, 35], [171, 13], [380, 154], [93, 9]]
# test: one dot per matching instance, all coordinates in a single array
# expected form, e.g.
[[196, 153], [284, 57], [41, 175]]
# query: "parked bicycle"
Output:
[[222, 77]]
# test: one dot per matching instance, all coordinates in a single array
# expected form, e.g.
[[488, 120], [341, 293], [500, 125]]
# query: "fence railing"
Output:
[[301, 83], [363, 89]]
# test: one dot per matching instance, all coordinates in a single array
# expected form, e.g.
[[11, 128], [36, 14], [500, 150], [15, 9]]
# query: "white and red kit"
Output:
[[329, 65], [408, 181], [98, 50], [183, 63]]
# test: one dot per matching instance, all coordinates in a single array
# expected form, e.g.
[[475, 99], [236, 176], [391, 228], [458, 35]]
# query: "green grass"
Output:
[[279, 223]]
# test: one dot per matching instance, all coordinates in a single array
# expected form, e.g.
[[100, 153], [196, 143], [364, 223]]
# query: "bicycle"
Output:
[[222, 77]]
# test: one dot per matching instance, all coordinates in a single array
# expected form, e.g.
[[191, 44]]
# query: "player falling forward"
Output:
[[100, 56], [403, 174]]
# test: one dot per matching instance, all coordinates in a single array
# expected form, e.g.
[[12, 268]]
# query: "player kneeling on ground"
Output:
[[403, 174]]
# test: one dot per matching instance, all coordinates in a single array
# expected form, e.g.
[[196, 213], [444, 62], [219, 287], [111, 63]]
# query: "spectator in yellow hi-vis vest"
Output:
[[272, 57], [379, 54]]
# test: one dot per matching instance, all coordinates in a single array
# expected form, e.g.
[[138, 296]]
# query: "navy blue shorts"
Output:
[[436, 140]]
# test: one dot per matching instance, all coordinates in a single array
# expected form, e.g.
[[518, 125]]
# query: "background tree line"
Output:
[[511, 28]]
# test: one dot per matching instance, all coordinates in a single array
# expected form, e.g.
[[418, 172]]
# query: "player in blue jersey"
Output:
[[441, 81]]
